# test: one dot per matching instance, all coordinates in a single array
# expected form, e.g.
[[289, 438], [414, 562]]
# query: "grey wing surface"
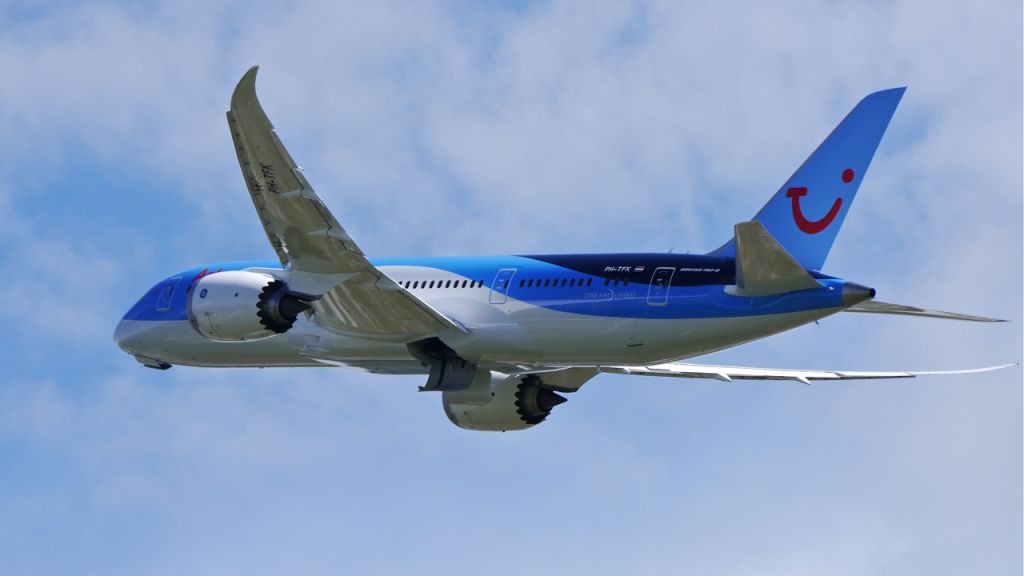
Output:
[[730, 373], [356, 297]]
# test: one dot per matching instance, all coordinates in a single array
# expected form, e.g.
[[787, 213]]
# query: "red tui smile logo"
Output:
[[815, 226], [811, 226]]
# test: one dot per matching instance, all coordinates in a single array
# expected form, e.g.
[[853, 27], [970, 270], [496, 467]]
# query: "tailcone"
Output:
[[854, 293]]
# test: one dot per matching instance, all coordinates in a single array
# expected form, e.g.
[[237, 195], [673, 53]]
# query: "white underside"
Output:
[[527, 337]]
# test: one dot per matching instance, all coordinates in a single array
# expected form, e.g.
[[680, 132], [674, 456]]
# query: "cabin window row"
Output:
[[555, 282], [420, 284], [523, 283]]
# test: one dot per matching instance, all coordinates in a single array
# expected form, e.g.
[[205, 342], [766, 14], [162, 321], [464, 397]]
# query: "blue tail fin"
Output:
[[805, 215]]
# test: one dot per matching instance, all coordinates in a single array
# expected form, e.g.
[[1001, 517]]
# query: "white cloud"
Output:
[[552, 127]]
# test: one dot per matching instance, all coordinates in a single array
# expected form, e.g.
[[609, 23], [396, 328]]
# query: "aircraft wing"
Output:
[[730, 373], [313, 247]]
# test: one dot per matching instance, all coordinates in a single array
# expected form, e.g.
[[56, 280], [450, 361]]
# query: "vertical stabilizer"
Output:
[[805, 215]]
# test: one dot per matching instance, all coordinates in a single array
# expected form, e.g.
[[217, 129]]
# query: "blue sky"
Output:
[[459, 128]]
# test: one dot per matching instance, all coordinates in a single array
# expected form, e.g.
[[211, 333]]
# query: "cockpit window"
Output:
[[166, 293]]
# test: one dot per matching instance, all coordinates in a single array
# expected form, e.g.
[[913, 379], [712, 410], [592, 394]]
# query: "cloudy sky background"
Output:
[[463, 128]]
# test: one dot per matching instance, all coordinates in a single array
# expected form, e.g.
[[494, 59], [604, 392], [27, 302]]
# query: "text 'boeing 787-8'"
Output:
[[503, 337]]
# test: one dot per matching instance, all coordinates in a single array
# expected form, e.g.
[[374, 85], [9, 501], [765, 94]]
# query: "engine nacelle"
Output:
[[238, 305], [498, 402]]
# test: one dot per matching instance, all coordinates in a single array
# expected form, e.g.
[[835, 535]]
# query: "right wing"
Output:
[[319, 257], [730, 373], [876, 307]]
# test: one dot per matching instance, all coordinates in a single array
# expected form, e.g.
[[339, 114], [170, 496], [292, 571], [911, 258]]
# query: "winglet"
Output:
[[245, 90], [763, 267]]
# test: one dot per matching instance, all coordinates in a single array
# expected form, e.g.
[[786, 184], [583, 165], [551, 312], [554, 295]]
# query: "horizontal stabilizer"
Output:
[[875, 307], [763, 267], [730, 373]]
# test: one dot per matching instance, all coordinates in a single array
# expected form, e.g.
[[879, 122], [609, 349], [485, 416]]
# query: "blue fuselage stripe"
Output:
[[668, 286]]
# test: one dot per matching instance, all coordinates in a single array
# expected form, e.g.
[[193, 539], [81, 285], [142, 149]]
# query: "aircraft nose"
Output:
[[125, 337], [854, 293], [119, 335]]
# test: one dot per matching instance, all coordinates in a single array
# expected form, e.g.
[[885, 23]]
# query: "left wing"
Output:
[[730, 373], [319, 257]]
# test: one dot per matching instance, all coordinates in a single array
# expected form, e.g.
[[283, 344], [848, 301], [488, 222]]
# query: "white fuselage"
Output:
[[500, 331]]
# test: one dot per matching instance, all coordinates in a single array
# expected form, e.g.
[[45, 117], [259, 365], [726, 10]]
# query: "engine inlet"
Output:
[[534, 402], [277, 308]]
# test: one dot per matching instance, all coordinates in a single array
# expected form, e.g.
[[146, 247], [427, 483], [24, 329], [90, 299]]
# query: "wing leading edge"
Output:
[[314, 248]]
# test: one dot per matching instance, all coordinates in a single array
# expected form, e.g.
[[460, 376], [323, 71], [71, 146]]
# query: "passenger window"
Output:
[[564, 280], [606, 281], [431, 284], [530, 283], [589, 281], [521, 282], [547, 282], [448, 284]]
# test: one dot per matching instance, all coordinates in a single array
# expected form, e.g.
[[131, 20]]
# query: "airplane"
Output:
[[504, 338]]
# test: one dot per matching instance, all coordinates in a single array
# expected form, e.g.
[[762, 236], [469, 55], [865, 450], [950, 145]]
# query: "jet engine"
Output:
[[499, 402], [238, 305]]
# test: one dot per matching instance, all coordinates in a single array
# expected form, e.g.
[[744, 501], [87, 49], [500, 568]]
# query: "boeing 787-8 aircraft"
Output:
[[502, 338]]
